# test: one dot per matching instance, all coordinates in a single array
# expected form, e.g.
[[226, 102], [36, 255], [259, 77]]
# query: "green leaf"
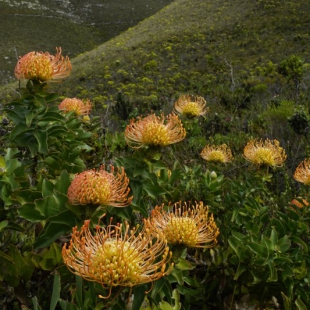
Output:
[[300, 242], [52, 117], [177, 274], [260, 250], [154, 191], [274, 238], [47, 188], [184, 264], [56, 291], [29, 117], [24, 268], [3, 224], [273, 276], [286, 302], [11, 163], [51, 232], [79, 290], [235, 245], [241, 269], [163, 305], [52, 97], [47, 206], [41, 137], [300, 305], [66, 217], [139, 296], [29, 212], [20, 130], [51, 257], [63, 182], [35, 303]]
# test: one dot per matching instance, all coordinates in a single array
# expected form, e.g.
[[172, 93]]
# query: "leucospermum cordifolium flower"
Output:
[[191, 105], [302, 172], [77, 105], [117, 255], [100, 187], [186, 224], [264, 153], [43, 67], [154, 130], [217, 153]]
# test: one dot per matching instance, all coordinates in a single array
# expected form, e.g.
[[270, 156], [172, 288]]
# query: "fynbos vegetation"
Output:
[[169, 169]]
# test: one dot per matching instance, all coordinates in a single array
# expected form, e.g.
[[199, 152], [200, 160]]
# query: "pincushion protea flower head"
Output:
[[76, 105], [100, 187], [189, 225], [191, 106], [302, 172], [220, 153], [43, 67], [154, 130], [117, 255], [264, 153]]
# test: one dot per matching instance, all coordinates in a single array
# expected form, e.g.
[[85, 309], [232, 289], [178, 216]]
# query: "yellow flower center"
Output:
[[39, 67], [117, 262], [191, 109], [96, 189], [155, 134], [181, 230], [264, 156], [216, 156]]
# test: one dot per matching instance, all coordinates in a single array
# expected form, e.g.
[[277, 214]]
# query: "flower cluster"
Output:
[[219, 153], [302, 172], [117, 255], [43, 67], [191, 106], [100, 187], [265, 153], [189, 225], [76, 105], [154, 130]]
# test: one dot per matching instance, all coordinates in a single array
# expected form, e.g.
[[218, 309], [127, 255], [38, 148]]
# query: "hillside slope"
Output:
[[190, 46], [75, 25]]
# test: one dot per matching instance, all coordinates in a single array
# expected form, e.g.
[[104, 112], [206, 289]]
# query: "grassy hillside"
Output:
[[191, 46], [76, 26], [227, 51]]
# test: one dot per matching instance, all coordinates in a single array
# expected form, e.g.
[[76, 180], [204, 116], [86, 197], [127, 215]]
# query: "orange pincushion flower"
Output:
[[117, 255], [302, 172], [154, 130], [219, 153], [187, 225], [268, 153], [76, 105], [43, 66], [191, 106], [300, 202], [100, 187]]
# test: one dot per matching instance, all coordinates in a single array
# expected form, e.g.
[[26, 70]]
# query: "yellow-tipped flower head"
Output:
[[219, 153], [302, 172], [191, 226], [43, 67], [191, 106], [116, 255], [76, 105], [264, 153], [154, 130], [100, 187]]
